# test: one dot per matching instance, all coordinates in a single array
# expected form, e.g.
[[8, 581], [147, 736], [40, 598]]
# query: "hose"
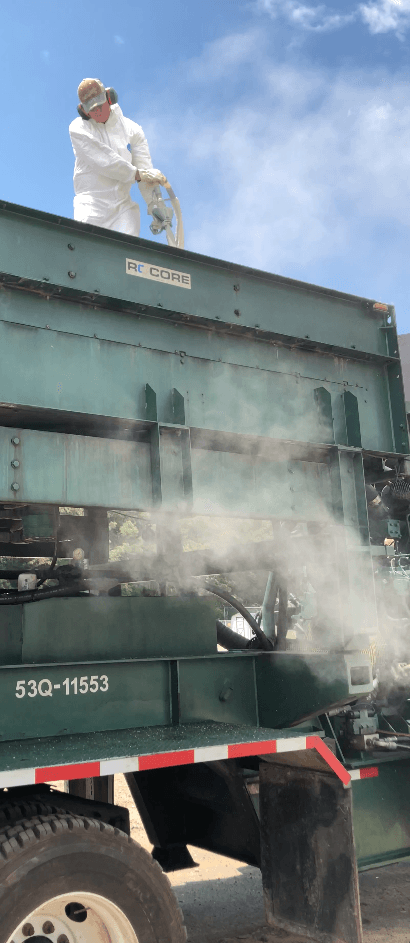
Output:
[[223, 594], [35, 596], [178, 239], [50, 569], [228, 638]]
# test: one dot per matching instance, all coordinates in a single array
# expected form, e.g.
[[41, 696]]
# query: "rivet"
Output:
[[72, 274], [15, 440], [15, 486], [15, 463]]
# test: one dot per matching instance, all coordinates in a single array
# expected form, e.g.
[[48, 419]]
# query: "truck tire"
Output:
[[69, 879], [15, 810]]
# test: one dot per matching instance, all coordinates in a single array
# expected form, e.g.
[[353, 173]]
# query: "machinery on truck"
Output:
[[172, 388]]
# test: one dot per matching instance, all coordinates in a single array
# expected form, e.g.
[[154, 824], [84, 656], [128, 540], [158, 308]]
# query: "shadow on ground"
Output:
[[228, 909]]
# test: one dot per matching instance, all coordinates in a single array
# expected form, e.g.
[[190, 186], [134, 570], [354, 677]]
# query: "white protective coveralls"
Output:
[[107, 157]]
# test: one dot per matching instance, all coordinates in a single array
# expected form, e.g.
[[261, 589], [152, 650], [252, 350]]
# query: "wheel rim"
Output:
[[75, 918]]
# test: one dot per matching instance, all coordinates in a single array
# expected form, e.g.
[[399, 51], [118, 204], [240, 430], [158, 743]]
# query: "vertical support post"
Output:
[[177, 408], [352, 420], [323, 402], [396, 389], [355, 598], [308, 858], [155, 465], [186, 465], [98, 788]]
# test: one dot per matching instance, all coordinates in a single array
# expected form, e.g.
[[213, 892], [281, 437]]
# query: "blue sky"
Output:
[[283, 126]]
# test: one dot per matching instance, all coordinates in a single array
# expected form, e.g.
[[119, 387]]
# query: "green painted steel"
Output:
[[251, 688], [135, 741], [52, 700], [381, 813], [207, 389], [93, 629], [36, 247]]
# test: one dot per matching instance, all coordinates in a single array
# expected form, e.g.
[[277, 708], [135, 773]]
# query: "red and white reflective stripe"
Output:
[[366, 772], [129, 764]]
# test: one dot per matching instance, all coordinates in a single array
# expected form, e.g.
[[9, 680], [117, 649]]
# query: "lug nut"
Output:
[[48, 927], [28, 929]]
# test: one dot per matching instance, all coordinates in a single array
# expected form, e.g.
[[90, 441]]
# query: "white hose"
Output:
[[162, 215], [178, 239]]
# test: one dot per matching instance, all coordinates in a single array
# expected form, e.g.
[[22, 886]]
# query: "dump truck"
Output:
[[182, 391]]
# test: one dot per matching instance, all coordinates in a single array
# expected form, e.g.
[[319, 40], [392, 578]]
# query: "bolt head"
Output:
[[72, 274], [15, 440], [15, 486], [15, 463]]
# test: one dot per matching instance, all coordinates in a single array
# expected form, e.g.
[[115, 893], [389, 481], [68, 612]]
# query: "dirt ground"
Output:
[[221, 899]]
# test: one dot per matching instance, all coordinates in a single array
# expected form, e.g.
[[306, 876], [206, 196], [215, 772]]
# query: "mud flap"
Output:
[[308, 857]]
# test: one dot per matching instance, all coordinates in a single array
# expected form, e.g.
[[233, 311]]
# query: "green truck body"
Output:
[[141, 379]]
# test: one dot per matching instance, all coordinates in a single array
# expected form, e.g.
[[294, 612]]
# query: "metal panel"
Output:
[[107, 376], [381, 814], [35, 246], [227, 482], [56, 702], [64, 630], [220, 690], [292, 687], [74, 470]]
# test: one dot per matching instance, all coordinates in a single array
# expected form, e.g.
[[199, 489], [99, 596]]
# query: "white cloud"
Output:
[[220, 58], [380, 16], [300, 172], [318, 19], [383, 16]]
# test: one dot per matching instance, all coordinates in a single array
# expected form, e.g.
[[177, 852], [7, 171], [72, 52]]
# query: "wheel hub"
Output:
[[75, 918]]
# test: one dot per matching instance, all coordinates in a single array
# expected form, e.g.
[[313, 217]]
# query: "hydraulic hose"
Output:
[[266, 644], [49, 572], [228, 638], [16, 599]]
